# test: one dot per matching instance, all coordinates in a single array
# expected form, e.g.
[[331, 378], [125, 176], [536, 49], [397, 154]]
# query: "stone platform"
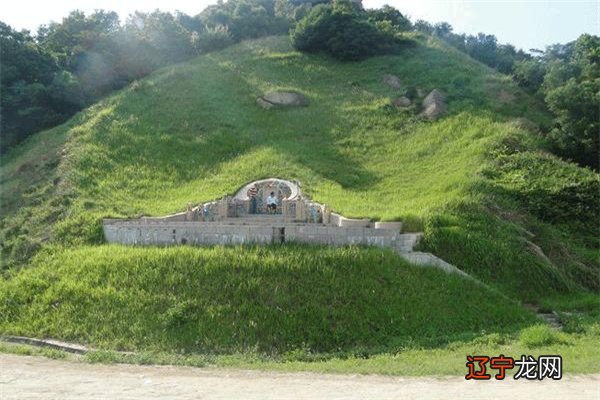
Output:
[[261, 229], [246, 218]]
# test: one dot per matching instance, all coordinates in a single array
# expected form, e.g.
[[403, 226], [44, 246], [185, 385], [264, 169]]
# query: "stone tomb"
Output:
[[245, 218]]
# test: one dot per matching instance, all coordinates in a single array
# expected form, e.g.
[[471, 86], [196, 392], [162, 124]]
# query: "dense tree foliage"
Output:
[[567, 77], [35, 91], [346, 32], [482, 47], [389, 15], [248, 19], [70, 64]]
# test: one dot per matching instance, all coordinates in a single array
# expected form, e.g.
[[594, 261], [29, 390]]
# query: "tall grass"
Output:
[[266, 299]]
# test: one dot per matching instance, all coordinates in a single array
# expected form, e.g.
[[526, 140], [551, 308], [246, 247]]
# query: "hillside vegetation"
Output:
[[474, 182], [247, 299]]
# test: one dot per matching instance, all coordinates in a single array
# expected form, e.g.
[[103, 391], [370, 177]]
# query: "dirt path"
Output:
[[23, 377]]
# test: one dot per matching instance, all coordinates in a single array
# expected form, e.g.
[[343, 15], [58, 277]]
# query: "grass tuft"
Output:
[[540, 335]]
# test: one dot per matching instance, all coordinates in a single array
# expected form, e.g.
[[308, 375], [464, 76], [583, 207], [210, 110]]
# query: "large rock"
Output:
[[401, 102], [264, 104], [392, 80], [282, 99], [434, 105]]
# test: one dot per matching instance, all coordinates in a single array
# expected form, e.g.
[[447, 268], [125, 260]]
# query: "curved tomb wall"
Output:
[[237, 219]]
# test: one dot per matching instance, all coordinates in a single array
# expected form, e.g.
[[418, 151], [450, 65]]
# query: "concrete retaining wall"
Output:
[[139, 232], [166, 232]]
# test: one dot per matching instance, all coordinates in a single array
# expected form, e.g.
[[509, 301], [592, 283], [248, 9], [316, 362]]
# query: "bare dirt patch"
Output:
[[40, 378]]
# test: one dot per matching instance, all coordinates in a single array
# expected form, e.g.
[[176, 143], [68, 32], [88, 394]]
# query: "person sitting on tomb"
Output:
[[272, 202]]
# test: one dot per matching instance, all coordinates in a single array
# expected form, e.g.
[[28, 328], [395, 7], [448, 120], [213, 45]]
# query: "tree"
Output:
[[576, 106], [72, 63], [160, 33], [529, 73], [423, 27], [341, 31], [567, 77], [388, 13], [572, 92], [246, 19], [27, 76], [77, 34], [483, 48], [86, 47], [442, 29]]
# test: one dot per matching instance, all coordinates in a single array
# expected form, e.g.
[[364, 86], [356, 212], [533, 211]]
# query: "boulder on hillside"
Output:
[[264, 104], [401, 102], [282, 99], [434, 105], [392, 80]]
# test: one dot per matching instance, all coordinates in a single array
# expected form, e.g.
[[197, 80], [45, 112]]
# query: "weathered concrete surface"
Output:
[[393, 225], [273, 230], [50, 343], [350, 222], [424, 259], [34, 378]]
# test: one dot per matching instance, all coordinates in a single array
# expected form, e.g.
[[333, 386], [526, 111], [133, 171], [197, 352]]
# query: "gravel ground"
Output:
[[25, 377]]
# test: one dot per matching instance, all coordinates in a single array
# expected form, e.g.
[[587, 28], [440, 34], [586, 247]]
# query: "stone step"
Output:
[[256, 221], [551, 319]]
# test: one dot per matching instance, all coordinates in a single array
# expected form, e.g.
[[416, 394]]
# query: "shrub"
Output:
[[539, 335], [341, 31], [212, 39], [391, 16]]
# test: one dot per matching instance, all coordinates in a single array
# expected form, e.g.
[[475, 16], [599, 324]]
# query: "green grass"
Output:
[[476, 182], [269, 299], [27, 350], [193, 132], [540, 335], [580, 353]]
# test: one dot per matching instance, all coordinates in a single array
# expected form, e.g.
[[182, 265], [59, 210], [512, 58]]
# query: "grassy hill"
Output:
[[247, 299], [477, 182]]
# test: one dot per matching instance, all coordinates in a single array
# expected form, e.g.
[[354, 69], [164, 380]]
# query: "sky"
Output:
[[524, 23]]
